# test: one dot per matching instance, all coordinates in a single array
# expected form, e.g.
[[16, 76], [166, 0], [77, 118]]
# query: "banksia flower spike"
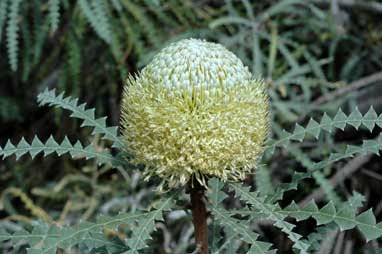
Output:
[[195, 112]]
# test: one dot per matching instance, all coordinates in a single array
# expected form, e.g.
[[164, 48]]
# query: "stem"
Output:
[[199, 217]]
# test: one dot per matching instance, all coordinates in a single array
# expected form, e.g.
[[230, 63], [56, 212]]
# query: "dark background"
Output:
[[316, 56]]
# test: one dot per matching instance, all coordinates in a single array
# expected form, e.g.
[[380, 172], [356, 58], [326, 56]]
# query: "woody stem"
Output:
[[199, 217]]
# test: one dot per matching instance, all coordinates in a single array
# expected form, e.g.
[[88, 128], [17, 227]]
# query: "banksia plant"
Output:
[[195, 112]]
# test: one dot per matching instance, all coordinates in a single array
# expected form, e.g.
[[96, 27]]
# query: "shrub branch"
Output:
[[199, 217]]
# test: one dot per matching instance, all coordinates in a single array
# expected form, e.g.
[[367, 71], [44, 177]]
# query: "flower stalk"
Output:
[[199, 217]]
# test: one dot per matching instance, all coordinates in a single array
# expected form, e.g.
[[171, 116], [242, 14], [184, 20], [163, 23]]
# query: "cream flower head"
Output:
[[195, 111]]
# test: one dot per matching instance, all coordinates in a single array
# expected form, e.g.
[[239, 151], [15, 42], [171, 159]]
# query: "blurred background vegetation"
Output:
[[316, 56]]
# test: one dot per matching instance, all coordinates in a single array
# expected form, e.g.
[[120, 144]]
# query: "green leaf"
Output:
[[340, 120], [264, 181], [44, 239], [54, 14], [12, 33], [345, 218], [370, 119], [146, 225], [68, 237], [379, 121], [371, 146], [367, 225], [356, 201], [320, 234], [22, 148], [260, 247], [3, 15], [237, 226], [36, 147], [298, 133], [326, 214], [216, 196], [146, 24], [96, 15], [273, 212], [367, 146], [279, 7], [294, 210], [313, 128], [98, 240], [229, 21], [284, 187], [49, 97], [355, 118], [51, 146]]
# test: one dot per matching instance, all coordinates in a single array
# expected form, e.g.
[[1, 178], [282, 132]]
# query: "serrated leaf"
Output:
[[67, 237], [326, 213], [36, 147], [54, 14], [313, 128], [216, 196], [264, 181], [298, 133], [326, 123], [371, 146], [51, 146], [3, 16], [345, 219], [90, 152], [379, 121], [355, 118], [282, 188], [97, 17], [367, 225], [294, 210], [370, 118], [335, 156], [311, 207], [147, 225], [12, 33], [260, 248], [65, 146], [340, 120], [78, 149], [356, 201], [9, 149], [273, 213], [315, 239], [96, 240], [284, 138], [46, 239], [49, 97], [350, 149], [237, 226], [22, 148]]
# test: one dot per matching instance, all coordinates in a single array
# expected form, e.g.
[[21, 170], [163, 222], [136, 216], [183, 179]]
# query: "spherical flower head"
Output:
[[195, 112]]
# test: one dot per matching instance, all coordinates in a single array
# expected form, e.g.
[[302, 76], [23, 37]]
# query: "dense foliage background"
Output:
[[316, 56]]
